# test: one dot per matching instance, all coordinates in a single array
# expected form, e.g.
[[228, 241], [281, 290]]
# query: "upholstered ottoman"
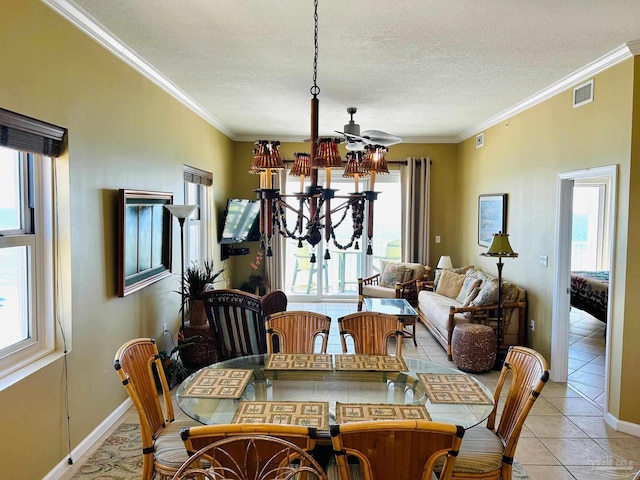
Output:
[[473, 347]]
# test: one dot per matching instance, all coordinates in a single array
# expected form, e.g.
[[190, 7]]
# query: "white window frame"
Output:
[[41, 291], [196, 192]]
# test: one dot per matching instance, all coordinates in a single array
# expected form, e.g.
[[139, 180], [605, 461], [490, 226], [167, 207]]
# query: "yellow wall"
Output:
[[522, 157], [124, 132]]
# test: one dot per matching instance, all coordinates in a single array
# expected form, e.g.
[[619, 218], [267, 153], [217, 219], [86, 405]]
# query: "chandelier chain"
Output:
[[315, 89]]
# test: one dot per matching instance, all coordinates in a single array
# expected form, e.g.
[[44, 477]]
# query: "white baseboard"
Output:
[[90, 440], [622, 426]]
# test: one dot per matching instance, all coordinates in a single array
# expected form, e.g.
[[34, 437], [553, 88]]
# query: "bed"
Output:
[[590, 292]]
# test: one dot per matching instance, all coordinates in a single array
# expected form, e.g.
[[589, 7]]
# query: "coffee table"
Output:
[[395, 306]]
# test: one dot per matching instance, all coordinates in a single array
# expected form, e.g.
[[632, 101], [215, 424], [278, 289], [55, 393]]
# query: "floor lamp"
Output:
[[500, 248], [181, 212]]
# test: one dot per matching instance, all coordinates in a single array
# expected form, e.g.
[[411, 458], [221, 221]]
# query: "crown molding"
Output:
[[105, 38], [608, 60]]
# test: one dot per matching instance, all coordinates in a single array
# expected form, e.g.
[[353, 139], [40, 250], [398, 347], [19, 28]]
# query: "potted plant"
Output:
[[174, 369], [196, 277]]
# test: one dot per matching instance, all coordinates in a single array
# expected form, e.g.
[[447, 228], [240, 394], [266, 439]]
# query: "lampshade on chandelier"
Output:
[[317, 208]]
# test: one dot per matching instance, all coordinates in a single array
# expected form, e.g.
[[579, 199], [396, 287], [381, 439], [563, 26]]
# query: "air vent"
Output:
[[583, 94]]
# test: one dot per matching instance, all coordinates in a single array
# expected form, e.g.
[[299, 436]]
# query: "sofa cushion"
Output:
[[377, 291], [471, 297], [468, 286], [488, 294], [435, 307], [450, 284], [392, 273]]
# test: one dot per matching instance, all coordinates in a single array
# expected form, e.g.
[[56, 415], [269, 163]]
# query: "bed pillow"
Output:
[[450, 283], [468, 286], [393, 273]]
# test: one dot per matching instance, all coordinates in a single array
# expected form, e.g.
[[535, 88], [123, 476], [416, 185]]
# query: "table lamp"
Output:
[[444, 262]]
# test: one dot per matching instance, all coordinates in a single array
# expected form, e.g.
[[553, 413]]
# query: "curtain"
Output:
[[415, 177], [274, 266]]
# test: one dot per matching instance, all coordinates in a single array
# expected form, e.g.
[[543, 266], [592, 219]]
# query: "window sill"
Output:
[[28, 369]]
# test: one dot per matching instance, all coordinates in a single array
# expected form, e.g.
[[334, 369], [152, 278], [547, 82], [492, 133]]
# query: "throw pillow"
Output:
[[472, 295], [488, 294], [467, 287], [392, 274], [412, 271], [454, 270], [450, 283]]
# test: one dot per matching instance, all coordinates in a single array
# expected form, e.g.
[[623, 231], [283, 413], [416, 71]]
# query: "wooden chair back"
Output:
[[273, 302], [137, 363], [251, 451], [236, 321], [371, 332], [399, 449], [296, 332], [529, 373]]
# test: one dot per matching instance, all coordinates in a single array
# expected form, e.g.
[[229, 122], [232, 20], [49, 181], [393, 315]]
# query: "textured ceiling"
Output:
[[420, 69]]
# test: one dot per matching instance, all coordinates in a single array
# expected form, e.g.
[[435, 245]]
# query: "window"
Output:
[[196, 231], [27, 328], [589, 242], [23, 252]]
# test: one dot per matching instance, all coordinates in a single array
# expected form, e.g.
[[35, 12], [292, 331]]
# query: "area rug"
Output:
[[120, 458]]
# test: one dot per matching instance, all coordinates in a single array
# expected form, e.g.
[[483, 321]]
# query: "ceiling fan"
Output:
[[358, 141]]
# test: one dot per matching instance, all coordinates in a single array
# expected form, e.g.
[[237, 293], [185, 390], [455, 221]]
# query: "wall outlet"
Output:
[[544, 260], [532, 325]]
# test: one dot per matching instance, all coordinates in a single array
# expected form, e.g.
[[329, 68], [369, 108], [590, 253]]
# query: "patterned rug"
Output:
[[120, 458]]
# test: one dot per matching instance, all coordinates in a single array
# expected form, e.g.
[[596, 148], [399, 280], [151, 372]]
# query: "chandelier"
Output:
[[318, 210]]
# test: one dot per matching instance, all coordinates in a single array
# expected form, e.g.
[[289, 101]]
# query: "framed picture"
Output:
[[144, 239], [492, 216]]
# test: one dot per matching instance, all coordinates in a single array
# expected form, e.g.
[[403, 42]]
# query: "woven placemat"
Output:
[[308, 414], [298, 361], [218, 383], [378, 363], [360, 412], [453, 388]]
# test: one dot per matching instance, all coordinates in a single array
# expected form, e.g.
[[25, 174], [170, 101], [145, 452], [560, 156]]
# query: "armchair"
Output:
[[396, 280]]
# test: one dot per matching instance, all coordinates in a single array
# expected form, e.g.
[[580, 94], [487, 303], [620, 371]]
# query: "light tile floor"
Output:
[[587, 355], [564, 437]]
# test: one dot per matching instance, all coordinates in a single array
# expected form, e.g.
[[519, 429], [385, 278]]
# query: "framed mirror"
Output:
[[144, 239]]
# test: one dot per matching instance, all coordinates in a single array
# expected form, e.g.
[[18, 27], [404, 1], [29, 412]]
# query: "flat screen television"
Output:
[[240, 221]]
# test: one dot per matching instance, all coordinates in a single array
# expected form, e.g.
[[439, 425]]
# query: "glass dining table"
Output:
[[337, 387]]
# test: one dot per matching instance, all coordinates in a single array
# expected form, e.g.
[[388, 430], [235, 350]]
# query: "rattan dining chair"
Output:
[[371, 332], [138, 364], [251, 451], [297, 331], [236, 320], [394, 449], [488, 453]]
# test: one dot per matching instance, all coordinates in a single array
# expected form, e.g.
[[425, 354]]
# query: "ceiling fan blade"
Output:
[[377, 137]]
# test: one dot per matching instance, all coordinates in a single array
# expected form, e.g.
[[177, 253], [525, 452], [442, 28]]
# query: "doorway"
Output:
[[560, 334]]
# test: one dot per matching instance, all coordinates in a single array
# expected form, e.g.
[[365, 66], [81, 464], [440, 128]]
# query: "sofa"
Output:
[[395, 280], [464, 295]]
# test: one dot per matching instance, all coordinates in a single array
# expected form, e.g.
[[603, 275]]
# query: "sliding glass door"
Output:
[[337, 278]]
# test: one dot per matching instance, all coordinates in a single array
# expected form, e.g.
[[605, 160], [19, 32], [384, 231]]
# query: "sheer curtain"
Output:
[[274, 266], [415, 177]]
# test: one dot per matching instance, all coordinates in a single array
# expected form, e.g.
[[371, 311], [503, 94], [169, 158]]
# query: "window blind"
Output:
[[30, 135], [195, 175]]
